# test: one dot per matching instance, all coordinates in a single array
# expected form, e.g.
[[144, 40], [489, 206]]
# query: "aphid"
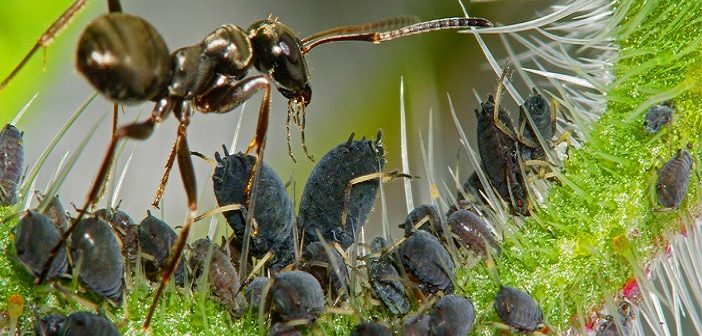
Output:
[[673, 179], [545, 121], [284, 329], [385, 280], [296, 295], [621, 323], [96, 253], [498, 152], [323, 198], [472, 232], [417, 326], [428, 213], [472, 186], [428, 262], [370, 329], [126, 230], [274, 216], [658, 116], [254, 294], [11, 162], [75, 324], [35, 234], [222, 275], [315, 260], [156, 238], [518, 310], [453, 315], [127, 61]]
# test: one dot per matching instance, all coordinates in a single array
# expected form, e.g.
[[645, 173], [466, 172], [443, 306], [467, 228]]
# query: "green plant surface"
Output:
[[594, 231]]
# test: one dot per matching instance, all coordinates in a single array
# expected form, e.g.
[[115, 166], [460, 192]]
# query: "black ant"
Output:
[[125, 58]]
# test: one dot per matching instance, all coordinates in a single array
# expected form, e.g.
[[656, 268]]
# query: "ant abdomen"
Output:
[[124, 58]]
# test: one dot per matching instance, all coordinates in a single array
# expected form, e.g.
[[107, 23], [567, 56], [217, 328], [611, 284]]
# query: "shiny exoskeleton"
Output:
[[385, 280], [316, 261], [620, 324], [323, 198], [274, 213], [417, 326], [472, 232], [75, 324], [544, 119], [156, 239], [296, 295], [658, 116], [35, 235], [222, 276], [518, 310], [370, 329], [453, 315], [11, 162], [95, 251], [673, 180], [498, 152], [427, 262]]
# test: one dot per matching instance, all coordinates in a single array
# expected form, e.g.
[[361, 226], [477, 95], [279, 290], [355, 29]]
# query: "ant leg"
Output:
[[46, 38], [139, 131], [302, 134], [114, 6], [187, 174], [115, 126], [164, 178], [287, 127]]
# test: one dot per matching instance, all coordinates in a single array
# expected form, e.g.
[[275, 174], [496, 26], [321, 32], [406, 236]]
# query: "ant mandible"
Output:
[[125, 58]]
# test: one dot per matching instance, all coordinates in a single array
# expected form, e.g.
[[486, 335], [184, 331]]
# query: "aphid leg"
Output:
[[498, 100], [139, 131], [384, 177], [46, 38], [187, 174]]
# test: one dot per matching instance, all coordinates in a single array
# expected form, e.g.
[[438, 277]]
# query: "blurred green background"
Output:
[[355, 89]]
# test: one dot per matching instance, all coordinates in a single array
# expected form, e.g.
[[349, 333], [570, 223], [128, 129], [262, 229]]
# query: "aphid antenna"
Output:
[[57, 184], [238, 129], [117, 187], [409, 201], [50, 147]]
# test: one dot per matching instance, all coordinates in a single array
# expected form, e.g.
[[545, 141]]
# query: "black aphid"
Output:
[[126, 230], [96, 253], [315, 260], [453, 315], [323, 198], [296, 295], [254, 294], [544, 119], [673, 179], [498, 152], [417, 326], [222, 276], [385, 280], [284, 329], [658, 116], [76, 324], [620, 324], [472, 232], [11, 161], [518, 310], [156, 239], [35, 235], [428, 213], [428, 262], [273, 213], [370, 329]]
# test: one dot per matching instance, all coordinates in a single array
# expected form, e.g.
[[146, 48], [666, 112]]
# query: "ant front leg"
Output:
[[139, 131]]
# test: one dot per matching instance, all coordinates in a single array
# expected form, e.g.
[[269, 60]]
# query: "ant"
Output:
[[125, 58]]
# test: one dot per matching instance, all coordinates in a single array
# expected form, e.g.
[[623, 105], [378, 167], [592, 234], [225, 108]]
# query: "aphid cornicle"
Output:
[[453, 315], [274, 215], [673, 180], [222, 276], [498, 153], [385, 280], [322, 201], [35, 234], [11, 162], [658, 116], [96, 253], [518, 309]]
